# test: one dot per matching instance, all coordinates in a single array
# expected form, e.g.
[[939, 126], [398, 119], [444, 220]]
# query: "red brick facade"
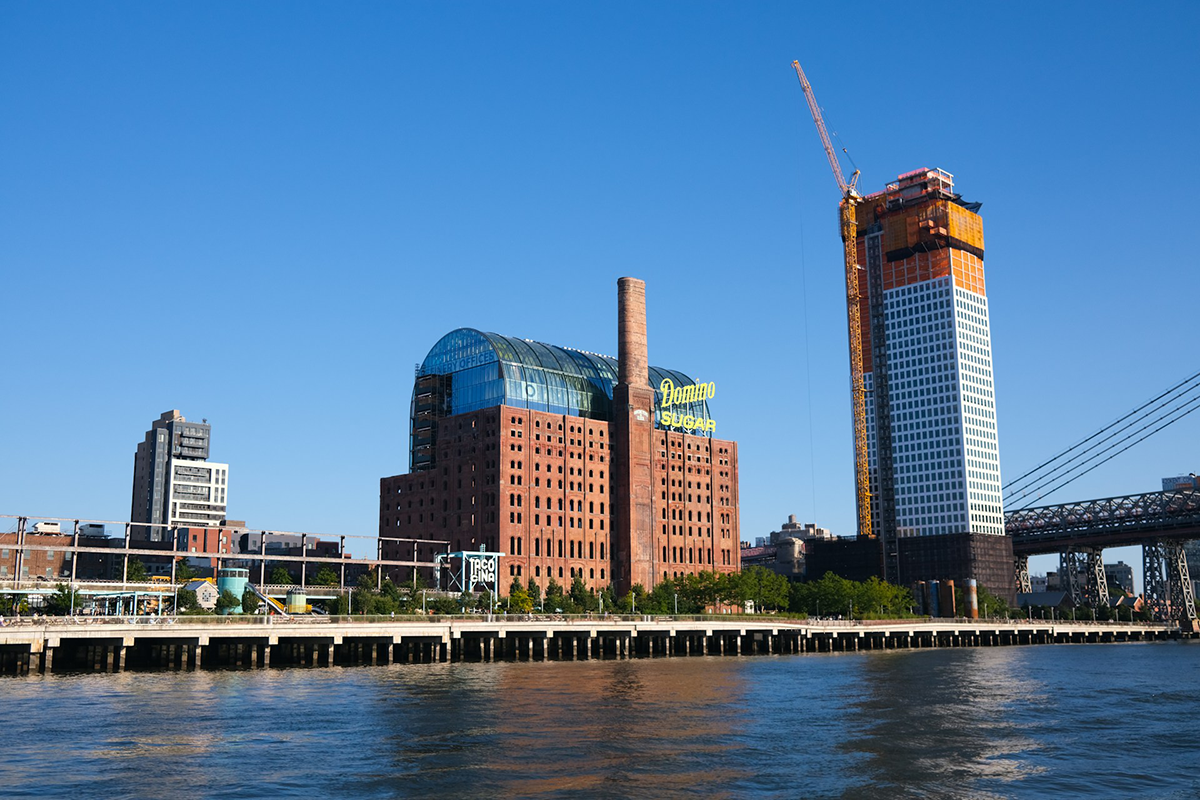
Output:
[[538, 487]]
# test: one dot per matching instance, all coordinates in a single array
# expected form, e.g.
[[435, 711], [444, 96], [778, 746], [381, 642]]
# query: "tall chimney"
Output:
[[632, 360], [632, 426]]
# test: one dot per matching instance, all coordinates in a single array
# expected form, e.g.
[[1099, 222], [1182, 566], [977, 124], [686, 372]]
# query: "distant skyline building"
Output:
[[174, 485], [933, 450], [1179, 482], [1119, 574]]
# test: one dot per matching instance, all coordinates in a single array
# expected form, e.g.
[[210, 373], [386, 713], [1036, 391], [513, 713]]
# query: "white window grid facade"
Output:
[[945, 448], [197, 492]]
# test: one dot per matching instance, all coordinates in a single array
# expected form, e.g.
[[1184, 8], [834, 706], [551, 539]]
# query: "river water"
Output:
[[1053, 721]]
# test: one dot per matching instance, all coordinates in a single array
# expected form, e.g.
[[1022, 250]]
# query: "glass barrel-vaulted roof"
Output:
[[468, 370]]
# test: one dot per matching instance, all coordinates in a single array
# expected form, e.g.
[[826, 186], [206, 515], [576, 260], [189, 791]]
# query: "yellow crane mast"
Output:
[[848, 209]]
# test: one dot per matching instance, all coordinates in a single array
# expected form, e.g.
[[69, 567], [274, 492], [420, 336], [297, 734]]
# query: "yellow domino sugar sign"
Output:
[[673, 395]]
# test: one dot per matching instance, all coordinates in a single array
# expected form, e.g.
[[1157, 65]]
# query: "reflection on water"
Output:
[[947, 724], [1054, 721]]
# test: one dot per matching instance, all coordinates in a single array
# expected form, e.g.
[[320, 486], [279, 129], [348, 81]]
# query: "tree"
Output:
[[697, 592], [11, 604], [365, 601], [249, 601], [661, 599], [519, 601], [554, 595], [535, 593], [991, 605], [833, 596], [766, 588], [184, 571], [227, 602], [136, 572], [326, 576], [338, 606], [581, 598], [443, 605], [368, 580], [416, 583], [62, 601], [466, 602], [281, 577], [635, 601], [607, 601], [185, 600]]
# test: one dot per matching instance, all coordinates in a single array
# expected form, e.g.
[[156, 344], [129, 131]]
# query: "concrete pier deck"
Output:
[[183, 643]]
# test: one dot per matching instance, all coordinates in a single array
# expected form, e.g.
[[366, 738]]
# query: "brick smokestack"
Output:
[[633, 437], [632, 359]]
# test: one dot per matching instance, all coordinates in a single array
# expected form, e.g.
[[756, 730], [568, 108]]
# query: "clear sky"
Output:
[[265, 214]]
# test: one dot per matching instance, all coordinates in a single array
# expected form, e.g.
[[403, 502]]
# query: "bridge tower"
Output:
[[1168, 587], [1081, 569]]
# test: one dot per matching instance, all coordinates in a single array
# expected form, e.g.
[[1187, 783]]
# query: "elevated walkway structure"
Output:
[[189, 643]]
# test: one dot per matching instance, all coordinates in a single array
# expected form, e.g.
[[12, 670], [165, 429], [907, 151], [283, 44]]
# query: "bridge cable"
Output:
[[1051, 477], [1195, 403], [1052, 474], [1172, 390]]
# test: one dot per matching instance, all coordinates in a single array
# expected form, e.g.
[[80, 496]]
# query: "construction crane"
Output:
[[848, 209]]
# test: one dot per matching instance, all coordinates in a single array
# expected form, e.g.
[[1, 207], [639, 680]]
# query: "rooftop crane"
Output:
[[849, 226]]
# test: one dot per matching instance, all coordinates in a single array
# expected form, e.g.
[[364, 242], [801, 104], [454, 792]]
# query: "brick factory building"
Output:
[[572, 464]]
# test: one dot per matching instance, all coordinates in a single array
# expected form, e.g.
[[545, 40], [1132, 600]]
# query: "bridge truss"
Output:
[[1158, 521]]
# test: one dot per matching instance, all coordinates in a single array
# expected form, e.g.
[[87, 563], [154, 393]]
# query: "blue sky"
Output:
[[265, 214]]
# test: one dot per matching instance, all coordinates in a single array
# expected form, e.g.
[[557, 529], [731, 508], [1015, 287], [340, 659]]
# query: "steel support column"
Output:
[[1179, 583], [1072, 570], [1022, 570], [1096, 589], [1156, 590]]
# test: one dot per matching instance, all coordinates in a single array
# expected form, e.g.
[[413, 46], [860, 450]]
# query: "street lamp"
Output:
[[677, 604]]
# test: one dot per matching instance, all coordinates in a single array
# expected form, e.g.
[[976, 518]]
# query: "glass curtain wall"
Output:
[[468, 370]]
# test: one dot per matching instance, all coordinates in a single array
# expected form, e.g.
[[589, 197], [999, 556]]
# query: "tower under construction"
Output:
[[932, 446], [931, 405]]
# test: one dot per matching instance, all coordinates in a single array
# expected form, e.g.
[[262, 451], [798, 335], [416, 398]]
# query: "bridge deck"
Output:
[[1107, 522]]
